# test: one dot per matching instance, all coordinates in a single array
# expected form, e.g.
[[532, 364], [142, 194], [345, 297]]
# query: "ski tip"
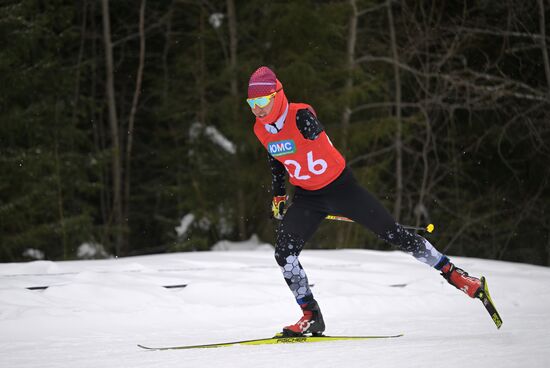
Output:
[[488, 303]]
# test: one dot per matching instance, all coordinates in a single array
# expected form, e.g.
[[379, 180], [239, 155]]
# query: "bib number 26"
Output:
[[316, 167]]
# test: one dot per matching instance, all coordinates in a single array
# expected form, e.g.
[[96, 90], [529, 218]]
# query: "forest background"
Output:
[[124, 126]]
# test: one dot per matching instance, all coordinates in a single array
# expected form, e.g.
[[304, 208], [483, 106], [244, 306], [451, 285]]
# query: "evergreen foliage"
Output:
[[468, 116]]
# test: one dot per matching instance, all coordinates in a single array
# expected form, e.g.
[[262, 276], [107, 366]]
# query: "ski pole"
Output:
[[430, 228], [338, 218]]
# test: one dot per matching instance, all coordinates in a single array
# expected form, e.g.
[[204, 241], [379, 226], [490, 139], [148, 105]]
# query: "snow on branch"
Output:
[[185, 222], [214, 135]]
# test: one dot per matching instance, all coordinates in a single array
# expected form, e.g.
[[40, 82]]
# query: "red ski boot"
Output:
[[310, 323], [460, 279]]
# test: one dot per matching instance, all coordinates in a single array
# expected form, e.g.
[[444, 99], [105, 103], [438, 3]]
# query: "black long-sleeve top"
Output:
[[310, 128]]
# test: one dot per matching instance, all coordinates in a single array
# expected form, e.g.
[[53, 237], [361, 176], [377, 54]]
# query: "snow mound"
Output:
[[253, 243]]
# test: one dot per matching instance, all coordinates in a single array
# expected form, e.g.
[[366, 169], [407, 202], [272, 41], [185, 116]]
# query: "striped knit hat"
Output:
[[262, 82]]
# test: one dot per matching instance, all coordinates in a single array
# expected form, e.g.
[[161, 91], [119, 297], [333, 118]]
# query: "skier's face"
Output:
[[262, 112]]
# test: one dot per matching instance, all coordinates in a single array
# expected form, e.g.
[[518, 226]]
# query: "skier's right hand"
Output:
[[278, 207]]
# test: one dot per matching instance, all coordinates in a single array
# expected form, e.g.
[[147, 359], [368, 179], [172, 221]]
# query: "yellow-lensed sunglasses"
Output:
[[261, 101]]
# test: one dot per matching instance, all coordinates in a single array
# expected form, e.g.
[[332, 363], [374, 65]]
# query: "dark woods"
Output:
[[124, 120]]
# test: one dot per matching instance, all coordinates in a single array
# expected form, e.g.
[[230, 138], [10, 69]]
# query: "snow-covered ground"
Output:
[[95, 312]]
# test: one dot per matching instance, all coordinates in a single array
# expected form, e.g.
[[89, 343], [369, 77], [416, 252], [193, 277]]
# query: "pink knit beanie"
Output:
[[262, 82]]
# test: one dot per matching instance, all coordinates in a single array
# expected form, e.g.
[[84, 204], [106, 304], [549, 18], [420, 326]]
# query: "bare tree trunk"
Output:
[[350, 64], [544, 48], [76, 98], [59, 184], [113, 123], [132, 118], [202, 68], [168, 36], [348, 87], [398, 130], [79, 59], [233, 45], [420, 209], [98, 126]]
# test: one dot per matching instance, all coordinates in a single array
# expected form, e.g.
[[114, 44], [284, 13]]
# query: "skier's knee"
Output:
[[396, 235], [287, 245], [279, 258]]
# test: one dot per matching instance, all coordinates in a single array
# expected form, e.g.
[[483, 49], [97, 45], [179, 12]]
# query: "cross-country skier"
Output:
[[298, 145]]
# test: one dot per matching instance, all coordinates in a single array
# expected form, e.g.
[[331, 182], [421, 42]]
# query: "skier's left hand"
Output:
[[278, 207]]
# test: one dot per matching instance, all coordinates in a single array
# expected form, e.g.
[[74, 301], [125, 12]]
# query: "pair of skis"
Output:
[[482, 295]]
